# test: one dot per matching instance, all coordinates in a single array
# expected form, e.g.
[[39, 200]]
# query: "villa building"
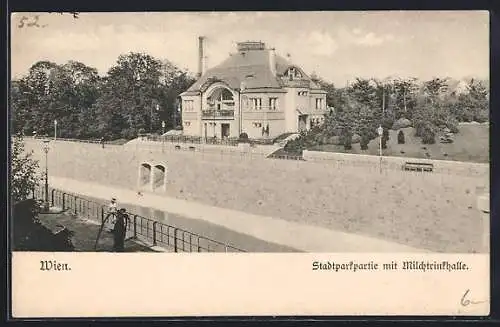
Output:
[[254, 91]]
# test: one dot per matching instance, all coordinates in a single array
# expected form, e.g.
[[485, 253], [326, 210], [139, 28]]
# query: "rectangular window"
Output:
[[319, 103], [188, 105], [256, 103], [273, 103]]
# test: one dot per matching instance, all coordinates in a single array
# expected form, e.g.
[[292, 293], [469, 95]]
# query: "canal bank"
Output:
[[292, 236]]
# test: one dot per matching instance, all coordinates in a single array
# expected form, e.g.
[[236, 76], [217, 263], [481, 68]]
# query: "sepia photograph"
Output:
[[250, 132]]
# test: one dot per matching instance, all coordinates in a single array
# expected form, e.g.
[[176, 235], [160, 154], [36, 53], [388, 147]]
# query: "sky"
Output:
[[337, 46]]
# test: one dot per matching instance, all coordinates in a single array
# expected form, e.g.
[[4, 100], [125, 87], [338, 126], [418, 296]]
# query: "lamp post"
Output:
[[380, 131], [157, 108], [163, 136], [55, 129], [240, 109], [46, 150]]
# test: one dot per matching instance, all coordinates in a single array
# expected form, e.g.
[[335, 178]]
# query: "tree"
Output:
[[334, 96], [435, 88], [474, 105], [49, 92], [401, 137], [23, 175], [405, 97]]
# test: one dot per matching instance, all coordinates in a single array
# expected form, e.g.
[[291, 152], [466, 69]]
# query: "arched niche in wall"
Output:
[[152, 176]]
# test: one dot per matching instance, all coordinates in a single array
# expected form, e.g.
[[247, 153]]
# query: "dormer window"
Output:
[[293, 73]]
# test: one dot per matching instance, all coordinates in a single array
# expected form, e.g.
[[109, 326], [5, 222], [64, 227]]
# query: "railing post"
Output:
[[52, 197], [175, 239], [154, 232], [63, 203], [135, 226], [75, 198]]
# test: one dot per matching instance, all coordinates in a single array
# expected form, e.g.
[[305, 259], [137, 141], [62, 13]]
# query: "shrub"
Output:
[[482, 116], [364, 141], [24, 167], [401, 123], [428, 136], [385, 134], [387, 122], [347, 139], [452, 124], [129, 133], [30, 235], [401, 137], [419, 128], [384, 143], [295, 146], [243, 138]]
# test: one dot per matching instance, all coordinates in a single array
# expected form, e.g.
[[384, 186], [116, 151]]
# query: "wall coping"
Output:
[[373, 157]]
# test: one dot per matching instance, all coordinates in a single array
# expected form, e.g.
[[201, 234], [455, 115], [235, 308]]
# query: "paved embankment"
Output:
[[302, 237]]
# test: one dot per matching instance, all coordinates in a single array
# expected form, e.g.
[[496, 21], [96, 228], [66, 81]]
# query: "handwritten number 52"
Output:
[[24, 19]]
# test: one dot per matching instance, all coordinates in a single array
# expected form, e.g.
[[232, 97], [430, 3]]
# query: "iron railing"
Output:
[[159, 234], [207, 114], [95, 141], [192, 139]]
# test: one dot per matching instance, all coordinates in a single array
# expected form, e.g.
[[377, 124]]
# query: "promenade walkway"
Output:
[[299, 236]]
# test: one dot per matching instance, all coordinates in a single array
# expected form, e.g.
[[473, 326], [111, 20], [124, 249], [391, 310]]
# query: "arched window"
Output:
[[221, 99]]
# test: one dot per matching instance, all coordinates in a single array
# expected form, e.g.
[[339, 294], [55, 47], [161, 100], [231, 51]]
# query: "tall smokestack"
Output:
[[200, 55]]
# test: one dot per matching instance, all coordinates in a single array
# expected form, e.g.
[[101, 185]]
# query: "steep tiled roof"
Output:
[[251, 67]]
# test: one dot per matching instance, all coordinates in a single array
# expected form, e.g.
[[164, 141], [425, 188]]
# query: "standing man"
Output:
[[108, 222], [102, 142], [120, 231]]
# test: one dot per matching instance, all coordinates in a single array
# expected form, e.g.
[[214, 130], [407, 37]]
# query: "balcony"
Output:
[[217, 114]]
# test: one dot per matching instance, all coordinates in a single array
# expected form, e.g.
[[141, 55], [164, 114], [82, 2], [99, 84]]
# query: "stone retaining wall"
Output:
[[441, 166]]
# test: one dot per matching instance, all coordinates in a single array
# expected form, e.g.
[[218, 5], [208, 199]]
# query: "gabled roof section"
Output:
[[252, 67]]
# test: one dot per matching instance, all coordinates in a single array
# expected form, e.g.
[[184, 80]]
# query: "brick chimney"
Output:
[[200, 55]]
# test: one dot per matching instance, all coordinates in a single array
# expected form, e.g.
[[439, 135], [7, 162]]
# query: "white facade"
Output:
[[253, 92]]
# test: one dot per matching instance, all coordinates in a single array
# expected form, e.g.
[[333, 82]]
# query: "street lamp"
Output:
[[380, 131], [55, 129], [157, 107], [46, 150], [240, 110], [163, 136]]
